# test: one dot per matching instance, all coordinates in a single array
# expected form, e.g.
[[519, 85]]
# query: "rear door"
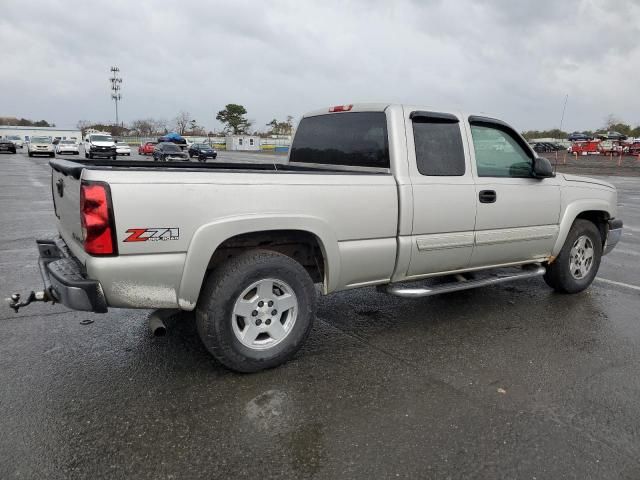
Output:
[[443, 192], [517, 214]]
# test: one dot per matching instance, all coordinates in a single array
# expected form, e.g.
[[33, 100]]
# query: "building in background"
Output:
[[25, 133], [243, 142]]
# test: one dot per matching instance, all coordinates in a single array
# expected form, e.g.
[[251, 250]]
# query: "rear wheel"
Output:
[[256, 310], [577, 264]]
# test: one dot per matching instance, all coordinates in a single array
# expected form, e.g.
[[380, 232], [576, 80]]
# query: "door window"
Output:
[[439, 150], [498, 153]]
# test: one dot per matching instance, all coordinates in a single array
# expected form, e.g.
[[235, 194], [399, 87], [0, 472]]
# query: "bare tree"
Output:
[[160, 126], [82, 125], [144, 127], [182, 122]]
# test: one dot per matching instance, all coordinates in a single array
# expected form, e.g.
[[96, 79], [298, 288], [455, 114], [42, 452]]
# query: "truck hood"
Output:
[[103, 144], [580, 179]]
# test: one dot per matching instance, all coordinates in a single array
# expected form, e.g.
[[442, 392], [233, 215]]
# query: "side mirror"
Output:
[[542, 168]]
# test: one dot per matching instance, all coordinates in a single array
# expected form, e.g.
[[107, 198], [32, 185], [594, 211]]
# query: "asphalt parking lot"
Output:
[[509, 381]]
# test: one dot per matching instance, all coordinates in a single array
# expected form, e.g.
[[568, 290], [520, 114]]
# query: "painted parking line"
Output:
[[619, 284]]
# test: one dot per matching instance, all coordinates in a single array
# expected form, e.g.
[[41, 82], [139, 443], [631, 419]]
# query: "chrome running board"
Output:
[[415, 292]]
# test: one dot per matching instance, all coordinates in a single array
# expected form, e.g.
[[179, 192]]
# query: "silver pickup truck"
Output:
[[413, 200]]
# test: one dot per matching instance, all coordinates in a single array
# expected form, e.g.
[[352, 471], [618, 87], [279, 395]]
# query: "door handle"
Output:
[[488, 196]]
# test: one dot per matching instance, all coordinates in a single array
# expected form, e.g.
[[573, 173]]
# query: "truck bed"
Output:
[[75, 167]]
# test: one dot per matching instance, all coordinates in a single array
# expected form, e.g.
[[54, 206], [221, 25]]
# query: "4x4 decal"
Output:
[[155, 234]]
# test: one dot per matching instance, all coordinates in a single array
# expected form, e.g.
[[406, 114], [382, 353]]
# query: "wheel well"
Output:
[[599, 218], [303, 247]]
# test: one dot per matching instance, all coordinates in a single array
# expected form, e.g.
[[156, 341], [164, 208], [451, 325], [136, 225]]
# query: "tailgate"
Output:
[[65, 190]]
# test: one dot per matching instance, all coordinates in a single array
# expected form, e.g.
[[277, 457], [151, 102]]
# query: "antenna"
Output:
[[564, 107], [115, 88]]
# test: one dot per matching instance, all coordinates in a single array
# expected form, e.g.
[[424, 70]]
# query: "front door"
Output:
[[517, 215]]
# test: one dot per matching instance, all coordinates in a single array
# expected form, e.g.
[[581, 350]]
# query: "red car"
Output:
[[147, 148]]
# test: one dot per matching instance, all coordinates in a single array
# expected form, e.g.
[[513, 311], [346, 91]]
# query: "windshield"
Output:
[[170, 147], [68, 142], [204, 146], [122, 144], [13, 137], [101, 138], [40, 139]]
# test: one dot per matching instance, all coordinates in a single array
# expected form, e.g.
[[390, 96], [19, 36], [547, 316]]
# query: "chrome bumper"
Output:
[[613, 235]]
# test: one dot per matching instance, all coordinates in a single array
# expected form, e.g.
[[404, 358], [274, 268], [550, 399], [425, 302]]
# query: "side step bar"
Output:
[[415, 292]]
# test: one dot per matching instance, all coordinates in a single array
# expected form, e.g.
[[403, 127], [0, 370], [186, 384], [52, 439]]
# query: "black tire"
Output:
[[559, 276], [218, 296]]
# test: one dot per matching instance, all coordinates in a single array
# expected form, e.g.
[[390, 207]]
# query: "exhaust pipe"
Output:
[[157, 320]]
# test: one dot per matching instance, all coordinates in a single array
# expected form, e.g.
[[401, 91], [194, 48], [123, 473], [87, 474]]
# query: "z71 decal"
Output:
[[156, 234]]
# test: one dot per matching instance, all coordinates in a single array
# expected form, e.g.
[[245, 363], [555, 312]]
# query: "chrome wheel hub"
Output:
[[581, 257], [264, 314]]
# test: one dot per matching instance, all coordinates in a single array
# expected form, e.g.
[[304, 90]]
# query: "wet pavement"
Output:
[[510, 381]]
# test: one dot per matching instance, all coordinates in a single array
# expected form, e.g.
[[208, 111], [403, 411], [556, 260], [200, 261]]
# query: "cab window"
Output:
[[438, 143], [499, 153]]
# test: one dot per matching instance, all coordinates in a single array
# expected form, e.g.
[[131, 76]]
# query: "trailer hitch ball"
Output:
[[15, 302]]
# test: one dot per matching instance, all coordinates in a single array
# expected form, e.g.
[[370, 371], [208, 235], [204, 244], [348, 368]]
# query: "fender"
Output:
[[571, 212], [208, 238]]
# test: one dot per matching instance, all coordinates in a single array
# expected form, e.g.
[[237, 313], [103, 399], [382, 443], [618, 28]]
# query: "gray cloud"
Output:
[[516, 60]]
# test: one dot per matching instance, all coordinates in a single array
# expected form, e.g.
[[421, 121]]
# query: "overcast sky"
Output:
[[515, 59]]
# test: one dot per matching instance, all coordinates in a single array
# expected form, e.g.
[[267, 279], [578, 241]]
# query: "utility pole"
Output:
[[116, 85]]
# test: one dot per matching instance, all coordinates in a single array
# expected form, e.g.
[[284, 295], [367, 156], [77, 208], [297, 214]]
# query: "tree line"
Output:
[[611, 124], [24, 122]]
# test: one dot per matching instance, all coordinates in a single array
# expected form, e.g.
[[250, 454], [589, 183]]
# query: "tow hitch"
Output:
[[16, 303]]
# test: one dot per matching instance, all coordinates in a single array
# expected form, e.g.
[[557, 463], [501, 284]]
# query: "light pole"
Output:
[[116, 83]]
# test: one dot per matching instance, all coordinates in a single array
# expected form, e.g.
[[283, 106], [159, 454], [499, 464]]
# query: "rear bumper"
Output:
[[613, 235], [64, 278]]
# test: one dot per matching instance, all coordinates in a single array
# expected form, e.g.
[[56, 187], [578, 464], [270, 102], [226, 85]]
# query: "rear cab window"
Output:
[[353, 139], [438, 144]]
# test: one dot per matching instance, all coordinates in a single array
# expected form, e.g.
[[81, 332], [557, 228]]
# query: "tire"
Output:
[[221, 331], [572, 272]]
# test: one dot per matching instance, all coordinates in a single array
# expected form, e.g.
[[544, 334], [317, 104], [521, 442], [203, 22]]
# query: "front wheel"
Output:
[[256, 310], [577, 264]]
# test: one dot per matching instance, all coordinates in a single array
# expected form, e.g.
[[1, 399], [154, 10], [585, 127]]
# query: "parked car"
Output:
[[99, 145], [17, 141], [7, 145], [147, 148], [426, 196], [123, 148], [169, 152], [202, 151], [575, 136], [611, 136], [41, 146], [67, 146]]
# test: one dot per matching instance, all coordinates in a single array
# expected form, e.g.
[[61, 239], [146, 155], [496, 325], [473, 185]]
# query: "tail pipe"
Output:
[[157, 321]]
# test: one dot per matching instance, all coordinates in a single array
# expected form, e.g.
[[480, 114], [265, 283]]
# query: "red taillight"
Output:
[[341, 108], [97, 231]]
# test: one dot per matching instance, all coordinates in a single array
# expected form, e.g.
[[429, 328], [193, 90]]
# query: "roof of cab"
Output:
[[381, 107]]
